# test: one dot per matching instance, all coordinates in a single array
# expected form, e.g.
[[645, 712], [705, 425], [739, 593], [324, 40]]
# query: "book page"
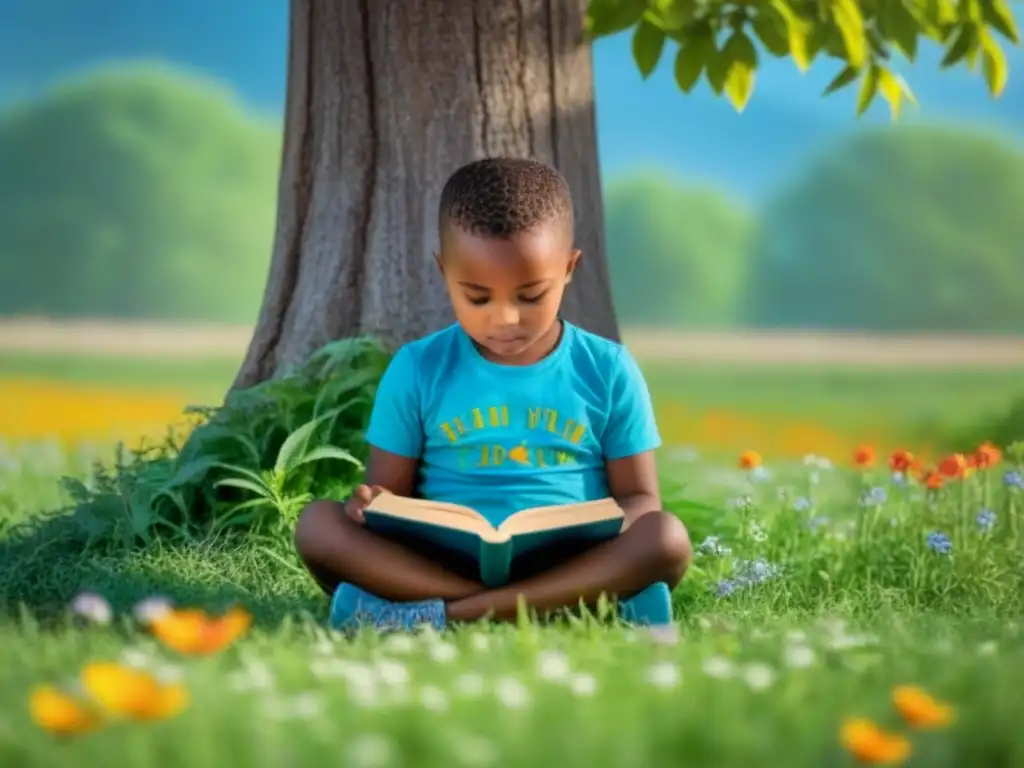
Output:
[[561, 516], [435, 512]]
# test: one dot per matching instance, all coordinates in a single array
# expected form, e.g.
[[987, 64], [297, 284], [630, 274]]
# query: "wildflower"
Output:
[[798, 656], [901, 461], [750, 460], [1013, 479], [480, 642], [919, 709], [60, 713], [474, 751], [152, 608], [392, 673], [664, 674], [582, 684], [899, 478], [987, 455], [864, 457], [399, 643], [755, 571], [301, 706], [740, 502], [801, 504], [132, 693], [819, 522], [939, 542], [434, 699], [718, 667], [664, 634], [370, 750], [933, 481], [710, 546], [870, 744], [873, 498], [953, 466], [511, 693], [470, 684], [192, 632], [552, 665], [725, 587], [756, 532], [758, 676], [759, 474], [443, 652], [821, 462], [985, 520], [93, 607], [814, 478]]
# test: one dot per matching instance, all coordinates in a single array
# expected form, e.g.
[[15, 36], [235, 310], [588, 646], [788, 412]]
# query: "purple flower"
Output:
[[939, 542]]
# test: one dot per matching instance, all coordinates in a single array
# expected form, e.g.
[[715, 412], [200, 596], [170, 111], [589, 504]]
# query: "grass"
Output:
[[839, 612]]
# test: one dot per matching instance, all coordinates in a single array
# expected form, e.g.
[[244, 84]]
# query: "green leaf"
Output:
[[670, 15], [692, 57], [868, 88], [716, 69], [893, 90], [797, 31], [850, 22], [328, 452], [648, 43], [901, 27], [240, 482], [770, 28], [846, 76], [240, 470], [741, 69], [606, 17], [999, 16], [964, 45], [993, 62], [295, 444]]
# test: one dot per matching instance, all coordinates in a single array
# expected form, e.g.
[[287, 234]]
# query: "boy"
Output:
[[510, 407]]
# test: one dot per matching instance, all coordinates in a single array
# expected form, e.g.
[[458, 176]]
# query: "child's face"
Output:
[[506, 293]]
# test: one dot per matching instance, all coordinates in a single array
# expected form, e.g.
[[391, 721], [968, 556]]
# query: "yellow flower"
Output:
[[870, 744], [132, 693], [61, 714], [919, 709], [194, 633]]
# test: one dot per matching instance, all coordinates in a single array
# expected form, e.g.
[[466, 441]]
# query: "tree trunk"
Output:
[[385, 99]]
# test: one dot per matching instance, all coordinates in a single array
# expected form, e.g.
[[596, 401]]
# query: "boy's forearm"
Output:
[[637, 504]]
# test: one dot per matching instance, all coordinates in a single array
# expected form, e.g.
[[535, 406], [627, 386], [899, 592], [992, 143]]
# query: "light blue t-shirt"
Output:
[[501, 438]]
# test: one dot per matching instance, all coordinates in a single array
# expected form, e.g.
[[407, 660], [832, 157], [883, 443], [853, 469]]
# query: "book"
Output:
[[464, 533]]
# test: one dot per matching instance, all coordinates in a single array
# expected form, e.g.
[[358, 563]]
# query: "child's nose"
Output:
[[507, 314]]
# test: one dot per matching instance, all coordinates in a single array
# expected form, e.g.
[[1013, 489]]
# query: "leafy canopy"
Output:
[[721, 40]]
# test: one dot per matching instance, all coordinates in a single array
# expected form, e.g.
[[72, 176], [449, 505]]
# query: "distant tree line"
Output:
[[146, 194]]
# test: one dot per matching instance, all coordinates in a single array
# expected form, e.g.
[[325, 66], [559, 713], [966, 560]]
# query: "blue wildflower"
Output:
[[898, 478], [873, 498], [939, 542], [985, 519], [711, 546], [1014, 479], [819, 522], [801, 503], [725, 588]]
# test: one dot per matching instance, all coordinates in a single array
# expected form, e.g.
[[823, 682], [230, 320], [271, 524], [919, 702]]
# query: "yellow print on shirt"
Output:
[[496, 418]]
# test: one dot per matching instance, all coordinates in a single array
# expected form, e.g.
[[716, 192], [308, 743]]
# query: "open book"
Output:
[[465, 532]]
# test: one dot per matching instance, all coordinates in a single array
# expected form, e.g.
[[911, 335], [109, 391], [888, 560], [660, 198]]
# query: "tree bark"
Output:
[[385, 99]]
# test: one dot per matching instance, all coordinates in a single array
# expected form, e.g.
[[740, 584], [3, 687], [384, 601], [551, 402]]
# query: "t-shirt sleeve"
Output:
[[395, 423], [631, 428]]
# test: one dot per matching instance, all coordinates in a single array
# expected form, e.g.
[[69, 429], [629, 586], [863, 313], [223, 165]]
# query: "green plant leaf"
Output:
[[893, 90], [868, 88], [329, 452], [797, 31], [999, 16], [295, 444], [741, 69], [240, 482], [770, 28], [901, 27], [964, 45], [670, 15], [606, 17], [850, 22], [692, 57], [846, 76], [255, 476], [994, 66], [648, 43]]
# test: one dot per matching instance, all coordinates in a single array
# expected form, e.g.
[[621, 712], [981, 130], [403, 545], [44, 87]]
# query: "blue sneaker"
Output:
[[352, 607], [650, 606]]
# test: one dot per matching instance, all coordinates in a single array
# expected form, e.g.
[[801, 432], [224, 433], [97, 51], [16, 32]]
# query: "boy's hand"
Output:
[[362, 496]]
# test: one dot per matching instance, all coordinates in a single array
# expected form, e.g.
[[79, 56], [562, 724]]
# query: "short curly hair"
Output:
[[506, 196]]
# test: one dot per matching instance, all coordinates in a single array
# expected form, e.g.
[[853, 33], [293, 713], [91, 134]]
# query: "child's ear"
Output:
[[440, 264], [574, 260]]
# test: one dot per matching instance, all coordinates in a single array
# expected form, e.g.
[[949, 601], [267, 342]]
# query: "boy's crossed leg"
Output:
[[655, 548]]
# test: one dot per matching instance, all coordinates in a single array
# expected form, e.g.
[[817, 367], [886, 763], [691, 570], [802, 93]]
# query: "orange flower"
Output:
[[901, 461], [919, 709], [61, 714], [987, 455], [192, 632], [933, 481], [953, 466], [132, 693], [864, 456], [750, 460], [870, 744]]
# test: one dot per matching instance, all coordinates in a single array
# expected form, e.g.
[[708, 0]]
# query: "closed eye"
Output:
[[477, 301], [533, 299]]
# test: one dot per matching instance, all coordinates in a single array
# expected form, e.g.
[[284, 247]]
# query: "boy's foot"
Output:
[[352, 607], [651, 606]]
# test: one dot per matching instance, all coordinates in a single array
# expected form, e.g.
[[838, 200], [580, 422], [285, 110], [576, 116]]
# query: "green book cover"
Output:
[[465, 535]]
